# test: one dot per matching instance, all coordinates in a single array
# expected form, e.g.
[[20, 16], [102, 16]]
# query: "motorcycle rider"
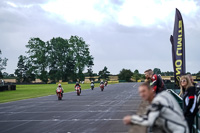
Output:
[[106, 83], [101, 82], [60, 88], [78, 85], [92, 84], [156, 81]]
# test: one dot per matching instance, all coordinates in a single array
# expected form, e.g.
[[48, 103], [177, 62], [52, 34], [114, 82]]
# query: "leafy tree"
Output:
[[143, 76], [168, 73], [95, 74], [8, 76], [157, 71], [104, 74], [136, 75], [198, 74], [125, 74], [90, 74], [38, 54], [3, 64], [5, 74], [20, 71], [90, 71], [71, 70], [1, 75], [24, 71], [11, 75], [59, 60], [81, 55], [68, 58]]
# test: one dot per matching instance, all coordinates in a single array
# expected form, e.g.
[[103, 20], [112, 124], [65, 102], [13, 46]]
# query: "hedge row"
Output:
[[7, 87]]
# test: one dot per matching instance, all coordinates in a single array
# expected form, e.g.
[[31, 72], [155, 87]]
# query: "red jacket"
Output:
[[157, 83]]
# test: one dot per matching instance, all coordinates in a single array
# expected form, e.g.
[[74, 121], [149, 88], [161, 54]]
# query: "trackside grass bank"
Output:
[[33, 91]]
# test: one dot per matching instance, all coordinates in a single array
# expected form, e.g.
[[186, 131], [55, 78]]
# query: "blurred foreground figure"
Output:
[[163, 113]]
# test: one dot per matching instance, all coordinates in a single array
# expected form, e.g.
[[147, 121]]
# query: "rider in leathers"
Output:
[[164, 113], [60, 88], [101, 82], [77, 84], [156, 81], [92, 84]]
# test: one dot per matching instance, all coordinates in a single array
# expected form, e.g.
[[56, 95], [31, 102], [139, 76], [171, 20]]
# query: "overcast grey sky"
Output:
[[131, 34]]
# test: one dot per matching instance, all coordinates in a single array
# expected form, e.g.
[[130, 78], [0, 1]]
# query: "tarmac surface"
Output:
[[92, 112]]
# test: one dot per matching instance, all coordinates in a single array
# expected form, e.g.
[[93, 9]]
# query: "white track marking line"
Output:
[[134, 85], [58, 120], [86, 111], [76, 105], [16, 126]]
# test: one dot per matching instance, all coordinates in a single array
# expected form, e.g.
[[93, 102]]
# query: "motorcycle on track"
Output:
[[59, 94], [102, 87], [92, 86], [78, 91], [106, 83]]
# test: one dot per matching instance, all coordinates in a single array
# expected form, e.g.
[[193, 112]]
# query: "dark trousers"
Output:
[[190, 121]]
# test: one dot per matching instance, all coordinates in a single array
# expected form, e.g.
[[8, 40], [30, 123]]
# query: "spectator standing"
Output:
[[156, 81], [188, 94]]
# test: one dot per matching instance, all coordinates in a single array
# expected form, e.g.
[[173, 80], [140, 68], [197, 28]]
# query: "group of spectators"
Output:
[[164, 113]]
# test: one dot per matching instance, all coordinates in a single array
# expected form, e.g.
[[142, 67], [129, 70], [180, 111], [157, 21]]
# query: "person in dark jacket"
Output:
[[188, 93], [156, 81]]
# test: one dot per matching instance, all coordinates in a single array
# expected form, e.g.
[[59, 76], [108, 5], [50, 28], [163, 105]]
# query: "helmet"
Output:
[[59, 85], [76, 82]]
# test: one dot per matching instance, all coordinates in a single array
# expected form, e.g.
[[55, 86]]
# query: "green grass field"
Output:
[[32, 91]]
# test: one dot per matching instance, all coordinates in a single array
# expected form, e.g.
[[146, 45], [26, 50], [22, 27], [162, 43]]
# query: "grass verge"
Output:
[[33, 91]]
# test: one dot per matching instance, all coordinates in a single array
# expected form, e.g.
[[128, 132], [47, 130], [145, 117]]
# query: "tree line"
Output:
[[128, 76], [56, 59], [3, 64], [63, 59]]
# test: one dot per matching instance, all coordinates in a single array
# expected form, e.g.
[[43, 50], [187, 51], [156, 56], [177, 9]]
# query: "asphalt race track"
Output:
[[92, 112]]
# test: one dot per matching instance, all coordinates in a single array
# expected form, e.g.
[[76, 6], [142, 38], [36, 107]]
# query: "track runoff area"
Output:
[[92, 111]]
